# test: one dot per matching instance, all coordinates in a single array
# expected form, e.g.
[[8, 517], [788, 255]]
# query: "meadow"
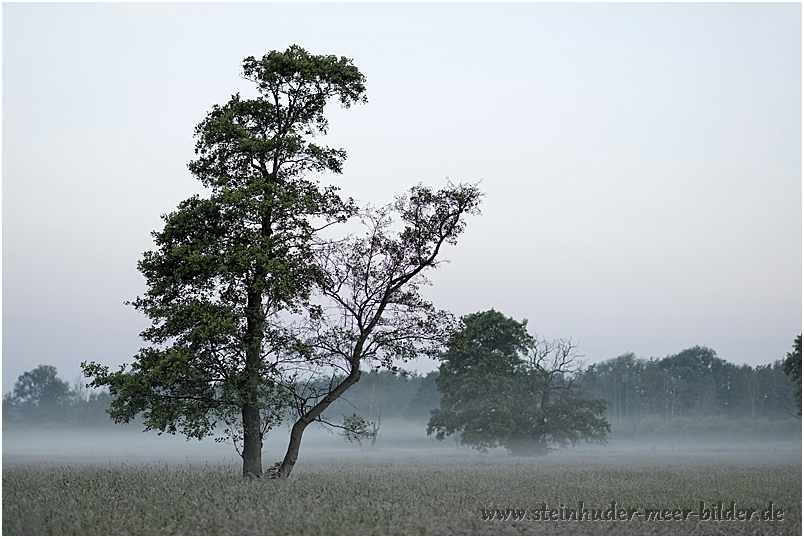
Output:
[[429, 488]]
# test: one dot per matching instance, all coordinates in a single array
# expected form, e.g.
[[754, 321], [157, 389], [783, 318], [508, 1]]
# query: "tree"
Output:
[[370, 312], [502, 386], [792, 368], [38, 395], [226, 266]]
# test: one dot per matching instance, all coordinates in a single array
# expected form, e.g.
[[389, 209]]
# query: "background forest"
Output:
[[693, 393]]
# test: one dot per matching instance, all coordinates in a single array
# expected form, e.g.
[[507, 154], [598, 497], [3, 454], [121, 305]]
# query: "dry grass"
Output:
[[442, 494]]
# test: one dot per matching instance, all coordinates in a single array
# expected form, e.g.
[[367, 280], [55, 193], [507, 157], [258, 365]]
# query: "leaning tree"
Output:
[[370, 313], [225, 266]]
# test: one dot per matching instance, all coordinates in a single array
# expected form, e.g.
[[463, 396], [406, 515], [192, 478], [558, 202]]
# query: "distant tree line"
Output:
[[692, 383], [40, 397], [692, 392]]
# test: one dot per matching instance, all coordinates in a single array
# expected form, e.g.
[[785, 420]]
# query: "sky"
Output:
[[641, 162]]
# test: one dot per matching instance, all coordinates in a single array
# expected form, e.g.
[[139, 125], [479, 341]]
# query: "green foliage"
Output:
[[226, 266], [501, 386], [248, 143], [792, 368]]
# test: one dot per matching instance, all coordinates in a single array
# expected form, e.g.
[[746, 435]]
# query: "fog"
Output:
[[127, 444], [398, 443]]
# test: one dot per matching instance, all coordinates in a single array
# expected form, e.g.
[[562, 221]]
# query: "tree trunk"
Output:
[[252, 442], [540, 446], [298, 427], [292, 453], [252, 432]]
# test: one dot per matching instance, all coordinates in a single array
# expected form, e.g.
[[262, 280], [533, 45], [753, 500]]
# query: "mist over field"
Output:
[[399, 441]]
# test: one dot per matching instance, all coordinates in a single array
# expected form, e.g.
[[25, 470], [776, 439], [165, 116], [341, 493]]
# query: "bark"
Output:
[[252, 442], [252, 435]]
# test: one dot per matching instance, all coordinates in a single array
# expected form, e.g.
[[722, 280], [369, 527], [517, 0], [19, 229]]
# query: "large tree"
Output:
[[503, 387], [225, 266], [370, 313]]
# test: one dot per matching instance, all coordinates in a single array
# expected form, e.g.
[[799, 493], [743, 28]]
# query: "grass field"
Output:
[[400, 493]]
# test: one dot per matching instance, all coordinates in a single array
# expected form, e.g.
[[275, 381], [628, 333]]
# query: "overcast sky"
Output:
[[642, 162]]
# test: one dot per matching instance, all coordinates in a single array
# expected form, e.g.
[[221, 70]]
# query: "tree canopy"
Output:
[[502, 386]]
